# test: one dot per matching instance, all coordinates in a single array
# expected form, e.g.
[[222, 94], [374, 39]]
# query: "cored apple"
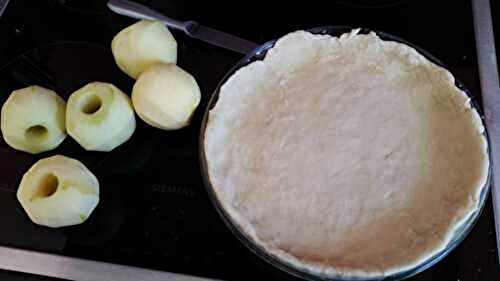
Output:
[[33, 119], [100, 117], [58, 191]]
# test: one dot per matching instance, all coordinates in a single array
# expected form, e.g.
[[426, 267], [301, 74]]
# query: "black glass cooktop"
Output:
[[154, 211]]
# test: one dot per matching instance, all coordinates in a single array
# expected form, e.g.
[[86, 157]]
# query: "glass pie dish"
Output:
[[458, 236]]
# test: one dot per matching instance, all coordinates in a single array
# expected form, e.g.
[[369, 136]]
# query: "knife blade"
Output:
[[219, 38]]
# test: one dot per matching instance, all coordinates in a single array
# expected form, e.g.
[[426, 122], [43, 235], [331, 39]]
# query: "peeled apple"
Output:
[[143, 44], [165, 96]]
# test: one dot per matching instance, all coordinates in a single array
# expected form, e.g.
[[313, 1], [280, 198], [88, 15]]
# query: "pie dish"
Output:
[[346, 157]]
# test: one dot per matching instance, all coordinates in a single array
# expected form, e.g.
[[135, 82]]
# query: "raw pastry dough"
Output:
[[348, 156]]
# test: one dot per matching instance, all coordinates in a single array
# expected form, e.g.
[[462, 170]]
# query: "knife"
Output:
[[191, 28]]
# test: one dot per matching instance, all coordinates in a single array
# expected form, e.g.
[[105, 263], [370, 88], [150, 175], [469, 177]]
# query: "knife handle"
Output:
[[138, 11]]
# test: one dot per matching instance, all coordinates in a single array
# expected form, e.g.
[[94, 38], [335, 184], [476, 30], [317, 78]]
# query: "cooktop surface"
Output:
[[154, 210]]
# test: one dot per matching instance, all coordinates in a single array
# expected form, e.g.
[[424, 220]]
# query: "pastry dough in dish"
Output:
[[349, 156]]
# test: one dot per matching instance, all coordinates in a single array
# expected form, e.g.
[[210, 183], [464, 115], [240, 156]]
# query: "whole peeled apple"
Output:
[[33, 119], [165, 96], [143, 44], [58, 191], [100, 117]]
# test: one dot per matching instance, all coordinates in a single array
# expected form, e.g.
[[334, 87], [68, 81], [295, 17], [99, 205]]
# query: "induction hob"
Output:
[[157, 214]]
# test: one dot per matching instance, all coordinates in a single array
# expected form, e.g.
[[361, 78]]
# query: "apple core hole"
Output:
[[92, 104], [37, 132], [47, 186]]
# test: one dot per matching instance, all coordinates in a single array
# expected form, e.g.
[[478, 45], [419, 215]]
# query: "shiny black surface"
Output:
[[154, 211]]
